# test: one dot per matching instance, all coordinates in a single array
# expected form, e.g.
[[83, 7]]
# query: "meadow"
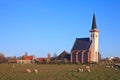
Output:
[[56, 72]]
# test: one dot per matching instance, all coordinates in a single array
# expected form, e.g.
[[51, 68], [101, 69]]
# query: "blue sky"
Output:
[[51, 26]]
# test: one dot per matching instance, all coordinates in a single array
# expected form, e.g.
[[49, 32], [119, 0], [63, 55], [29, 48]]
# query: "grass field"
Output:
[[56, 72]]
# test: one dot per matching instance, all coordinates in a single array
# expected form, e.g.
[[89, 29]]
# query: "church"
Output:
[[85, 50]]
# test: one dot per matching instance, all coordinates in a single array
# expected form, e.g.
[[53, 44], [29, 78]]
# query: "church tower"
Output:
[[94, 35]]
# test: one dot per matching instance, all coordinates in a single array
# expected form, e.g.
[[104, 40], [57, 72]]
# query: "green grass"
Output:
[[56, 72]]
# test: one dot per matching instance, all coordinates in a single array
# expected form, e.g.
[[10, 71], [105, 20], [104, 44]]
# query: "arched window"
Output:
[[91, 35], [96, 36]]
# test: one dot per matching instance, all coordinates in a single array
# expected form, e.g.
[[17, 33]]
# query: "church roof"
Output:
[[81, 44], [94, 26]]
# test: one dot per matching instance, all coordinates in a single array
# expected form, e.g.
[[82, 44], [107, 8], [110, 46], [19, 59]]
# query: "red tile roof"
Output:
[[28, 57], [42, 59]]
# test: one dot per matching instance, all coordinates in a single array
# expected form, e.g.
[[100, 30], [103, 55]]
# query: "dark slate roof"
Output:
[[94, 26], [64, 55], [81, 44]]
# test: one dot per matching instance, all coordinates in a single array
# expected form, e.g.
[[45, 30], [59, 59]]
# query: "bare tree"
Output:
[[55, 56], [2, 58]]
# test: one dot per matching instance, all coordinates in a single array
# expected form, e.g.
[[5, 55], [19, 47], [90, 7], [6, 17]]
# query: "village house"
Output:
[[41, 60], [85, 50], [64, 55], [12, 60], [26, 59]]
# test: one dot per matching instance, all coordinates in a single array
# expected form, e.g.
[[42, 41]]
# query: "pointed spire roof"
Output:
[[94, 23]]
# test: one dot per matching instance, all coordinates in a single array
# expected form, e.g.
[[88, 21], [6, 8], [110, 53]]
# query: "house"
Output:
[[85, 50], [64, 55], [12, 60], [42, 59], [26, 59]]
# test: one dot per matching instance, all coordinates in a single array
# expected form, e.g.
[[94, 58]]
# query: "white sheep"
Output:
[[107, 66], [28, 70], [80, 69], [36, 71], [88, 68]]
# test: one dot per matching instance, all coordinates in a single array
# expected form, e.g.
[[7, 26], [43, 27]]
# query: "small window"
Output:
[[91, 35]]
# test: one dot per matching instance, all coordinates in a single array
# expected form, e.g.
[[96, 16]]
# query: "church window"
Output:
[[91, 35]]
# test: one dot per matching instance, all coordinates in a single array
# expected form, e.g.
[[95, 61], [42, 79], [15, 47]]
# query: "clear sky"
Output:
[[42, 26]]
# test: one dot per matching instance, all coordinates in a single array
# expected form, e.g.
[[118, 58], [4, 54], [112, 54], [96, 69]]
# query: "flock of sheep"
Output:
[[87, 68], [29, 71], [115, 67]]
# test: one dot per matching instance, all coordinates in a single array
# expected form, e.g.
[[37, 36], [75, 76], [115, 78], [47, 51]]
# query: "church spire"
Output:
[[94, 23]]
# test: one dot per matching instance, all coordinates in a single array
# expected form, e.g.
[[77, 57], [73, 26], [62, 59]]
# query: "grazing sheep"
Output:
[[115, 68], [28, 70], [107, 66], [88, 68], [80, 70], [36, 71], [112, 67]]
